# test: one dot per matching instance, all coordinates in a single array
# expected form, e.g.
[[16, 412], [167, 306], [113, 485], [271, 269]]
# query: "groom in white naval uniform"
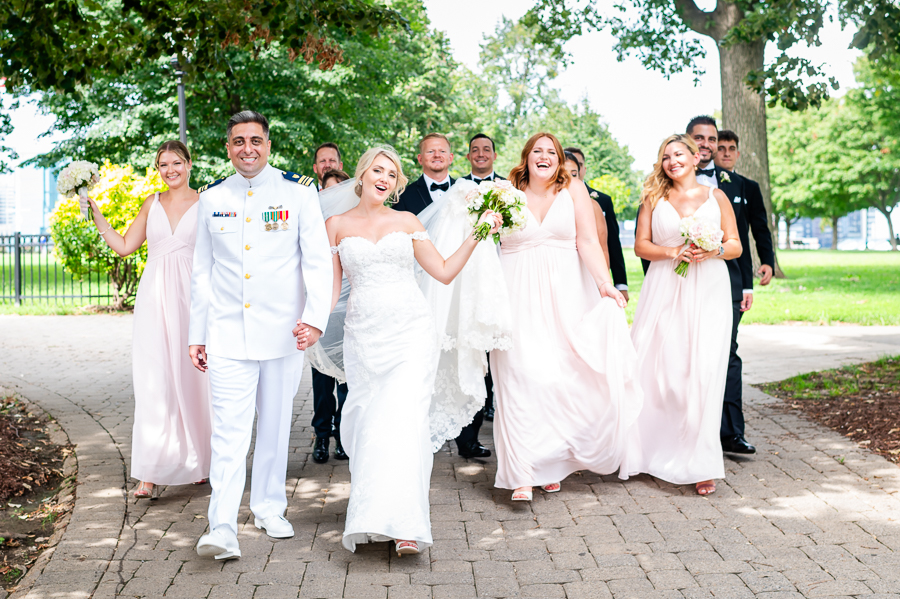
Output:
[[261, 262]]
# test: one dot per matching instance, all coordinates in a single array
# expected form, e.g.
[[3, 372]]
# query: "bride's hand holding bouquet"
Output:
[[500, 198]]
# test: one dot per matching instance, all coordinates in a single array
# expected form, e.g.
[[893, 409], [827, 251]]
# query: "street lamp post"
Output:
[[182, 109]]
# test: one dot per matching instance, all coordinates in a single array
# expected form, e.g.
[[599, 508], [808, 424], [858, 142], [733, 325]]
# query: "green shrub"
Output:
[[77, 244]]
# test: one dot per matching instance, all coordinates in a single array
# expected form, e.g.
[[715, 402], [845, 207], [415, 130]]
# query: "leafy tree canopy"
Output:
[[844, 155], [391, 88], [663, 34], [62, 44]]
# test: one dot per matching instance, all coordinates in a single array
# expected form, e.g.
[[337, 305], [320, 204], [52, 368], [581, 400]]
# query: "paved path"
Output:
[[811, 515]]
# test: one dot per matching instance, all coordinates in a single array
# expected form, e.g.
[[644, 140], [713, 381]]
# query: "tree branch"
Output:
[[697, 19]]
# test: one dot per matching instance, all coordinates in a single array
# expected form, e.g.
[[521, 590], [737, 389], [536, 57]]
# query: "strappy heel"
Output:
[[521, 494], [146, 491], [551, 488], [707, 487], [406, 548]]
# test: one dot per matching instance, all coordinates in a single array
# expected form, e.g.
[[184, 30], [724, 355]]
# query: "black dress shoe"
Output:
[[489, 414], [320, 451], [737, 444], [339, 453], [475, 450]]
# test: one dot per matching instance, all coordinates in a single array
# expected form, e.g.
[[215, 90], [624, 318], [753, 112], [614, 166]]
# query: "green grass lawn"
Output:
[[43, 276], [822, 287]]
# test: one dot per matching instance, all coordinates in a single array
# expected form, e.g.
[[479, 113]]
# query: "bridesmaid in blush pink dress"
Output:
[[566, 392], [682, 326], [171, 435]]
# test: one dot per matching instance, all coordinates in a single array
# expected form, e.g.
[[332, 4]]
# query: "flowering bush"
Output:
[[502, 198], [119, 194], [698, 233]]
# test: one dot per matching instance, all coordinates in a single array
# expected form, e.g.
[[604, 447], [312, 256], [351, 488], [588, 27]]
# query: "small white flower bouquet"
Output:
[[79, 177], [698, 233], [502, 198]]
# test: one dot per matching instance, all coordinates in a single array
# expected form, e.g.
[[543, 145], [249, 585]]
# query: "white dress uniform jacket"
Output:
[[250, 285]]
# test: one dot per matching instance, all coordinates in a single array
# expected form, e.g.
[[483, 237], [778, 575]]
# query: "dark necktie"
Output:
[[477, 180], [708, 172], [442, 186]]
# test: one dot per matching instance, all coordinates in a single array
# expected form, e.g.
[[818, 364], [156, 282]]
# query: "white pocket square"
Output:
[[737, 199]]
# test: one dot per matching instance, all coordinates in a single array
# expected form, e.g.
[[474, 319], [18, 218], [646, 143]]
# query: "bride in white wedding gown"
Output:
[[390, 356]]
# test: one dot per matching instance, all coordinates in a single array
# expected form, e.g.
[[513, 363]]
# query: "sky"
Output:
[[640, 106]]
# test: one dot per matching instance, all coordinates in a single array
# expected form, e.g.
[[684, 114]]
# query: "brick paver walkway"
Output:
[[810, 515]]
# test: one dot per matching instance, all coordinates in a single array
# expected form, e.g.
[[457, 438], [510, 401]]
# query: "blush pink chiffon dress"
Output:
[[172, 413], [566, 393], [682, 334]]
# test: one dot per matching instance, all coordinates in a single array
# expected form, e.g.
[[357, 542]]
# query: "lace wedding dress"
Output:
[[390, 356], [471, 315]]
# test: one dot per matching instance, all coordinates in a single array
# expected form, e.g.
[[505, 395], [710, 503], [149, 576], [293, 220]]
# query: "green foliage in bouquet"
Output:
[[77, 244]]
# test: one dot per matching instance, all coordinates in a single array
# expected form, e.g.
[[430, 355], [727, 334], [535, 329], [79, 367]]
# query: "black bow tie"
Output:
[[442, 186], [477, 180], [708, 172]]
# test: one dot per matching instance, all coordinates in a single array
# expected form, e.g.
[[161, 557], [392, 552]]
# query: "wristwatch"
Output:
[[721, 251]]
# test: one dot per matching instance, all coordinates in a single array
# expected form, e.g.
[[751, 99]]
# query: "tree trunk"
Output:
[[834, 232], [787, 233], [890, 224], [744, 112]]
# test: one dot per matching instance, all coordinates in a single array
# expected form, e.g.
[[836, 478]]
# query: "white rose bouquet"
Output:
[[502, 198], [698, 233], [79, 177]]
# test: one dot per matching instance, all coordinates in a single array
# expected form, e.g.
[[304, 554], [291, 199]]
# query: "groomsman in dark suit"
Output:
[[326, 420], [614, 244], [482, 156], [750, 212], [435, 157]]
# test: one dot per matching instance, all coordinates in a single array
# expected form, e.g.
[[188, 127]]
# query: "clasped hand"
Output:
[[306, 335], [692, 253], [491, 215]]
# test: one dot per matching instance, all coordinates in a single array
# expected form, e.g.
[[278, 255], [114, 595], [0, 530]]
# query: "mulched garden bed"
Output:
[[34, 493], [861, 402]]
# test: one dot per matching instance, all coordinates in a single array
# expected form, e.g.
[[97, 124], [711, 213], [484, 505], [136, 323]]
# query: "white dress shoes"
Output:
[[220, 543], [275, 526]]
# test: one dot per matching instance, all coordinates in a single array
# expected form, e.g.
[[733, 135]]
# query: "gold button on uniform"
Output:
[[221, 228], [246, 247], [246, 305], [247, 276], [249, 193], [248, 219]]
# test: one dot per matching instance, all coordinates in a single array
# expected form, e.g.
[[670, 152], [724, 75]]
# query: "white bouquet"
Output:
[[79, 177], [502, 198], [698, 233]]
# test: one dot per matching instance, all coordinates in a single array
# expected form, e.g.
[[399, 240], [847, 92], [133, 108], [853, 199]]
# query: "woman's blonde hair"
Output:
[[518, 176], [658, 183], [174, 146], [365, 163]]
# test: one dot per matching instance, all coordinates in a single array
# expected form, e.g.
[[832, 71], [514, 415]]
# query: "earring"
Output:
[[359, 182]]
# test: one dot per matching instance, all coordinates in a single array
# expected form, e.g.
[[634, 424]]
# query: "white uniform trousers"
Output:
[[239, 386]]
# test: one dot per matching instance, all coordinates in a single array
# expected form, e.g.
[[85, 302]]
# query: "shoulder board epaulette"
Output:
[[294, 177], [210, 185]]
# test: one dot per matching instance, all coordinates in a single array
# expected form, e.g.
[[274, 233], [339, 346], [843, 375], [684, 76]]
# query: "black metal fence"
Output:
[[30, 273]]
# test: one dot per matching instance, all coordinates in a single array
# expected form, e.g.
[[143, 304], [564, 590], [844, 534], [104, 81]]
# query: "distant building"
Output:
[[865, 229], [27, 197]]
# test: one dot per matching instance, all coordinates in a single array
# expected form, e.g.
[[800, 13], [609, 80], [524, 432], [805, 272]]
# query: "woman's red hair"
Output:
[[518, 176]]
